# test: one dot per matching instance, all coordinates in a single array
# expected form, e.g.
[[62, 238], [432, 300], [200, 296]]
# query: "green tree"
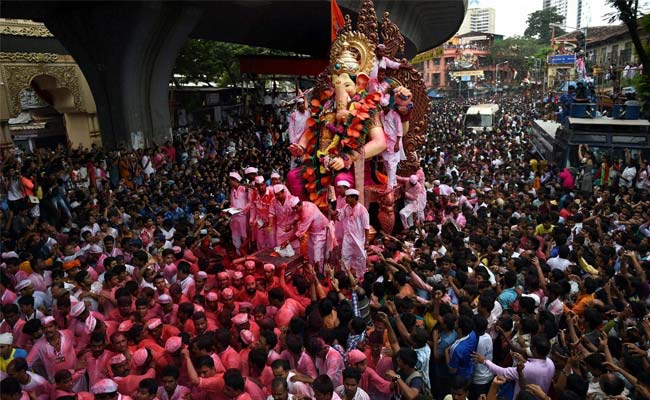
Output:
[[538, 25], [628, 12], [519, 52], [210, 62]]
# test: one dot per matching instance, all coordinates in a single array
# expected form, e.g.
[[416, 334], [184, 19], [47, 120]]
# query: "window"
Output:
[[436, 80], [436, 61]]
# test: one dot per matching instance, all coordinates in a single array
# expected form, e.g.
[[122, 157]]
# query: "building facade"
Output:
[[44, 98], [478, 20], [463, 55]]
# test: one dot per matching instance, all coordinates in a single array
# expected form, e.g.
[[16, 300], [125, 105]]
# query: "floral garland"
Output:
[[351, 136]]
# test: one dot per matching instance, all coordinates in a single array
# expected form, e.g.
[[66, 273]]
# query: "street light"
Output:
[[496, 81]]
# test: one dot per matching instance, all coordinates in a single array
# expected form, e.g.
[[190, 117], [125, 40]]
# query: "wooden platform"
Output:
[[264, 257]]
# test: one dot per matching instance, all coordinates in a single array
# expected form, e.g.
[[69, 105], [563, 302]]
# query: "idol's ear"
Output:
[[362, 82]]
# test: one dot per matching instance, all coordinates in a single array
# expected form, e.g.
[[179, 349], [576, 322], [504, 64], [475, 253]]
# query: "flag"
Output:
[[337, 18]]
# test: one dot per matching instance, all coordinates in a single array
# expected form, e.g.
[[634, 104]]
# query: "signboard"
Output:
[[457, 74], [466, 78], [562, 59]]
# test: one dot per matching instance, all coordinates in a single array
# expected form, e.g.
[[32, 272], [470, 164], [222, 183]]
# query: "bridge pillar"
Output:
[[126, 52]]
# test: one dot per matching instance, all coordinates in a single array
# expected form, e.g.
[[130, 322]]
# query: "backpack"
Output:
[[425, 393]]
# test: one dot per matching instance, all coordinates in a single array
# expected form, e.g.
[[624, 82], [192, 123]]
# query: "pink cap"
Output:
[[173, 344], [240, 319], [249, 264], [125, 326], [164, 299], [90, 324], [104, 386], [237, 275], [413, 179], [293, 202], [177, 249], [223, 275], [118, 359], [269, 267], [356, 356], [212, 296], [259, 180], [279, 188], [140, 357], [154, 323], [246, 336], [249, 279], [227, 294], [47, 320], [245, 305], [202, 274], [77, 309]]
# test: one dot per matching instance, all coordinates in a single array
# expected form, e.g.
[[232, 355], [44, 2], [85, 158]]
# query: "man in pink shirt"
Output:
[[356, 231], [328, 361], [13, 324], [298, 358], [311, 221], [239, 200], [282, 216], [287, 307], [259, 219], [55, 349], [96, 359], [229, 356], [392, 123]]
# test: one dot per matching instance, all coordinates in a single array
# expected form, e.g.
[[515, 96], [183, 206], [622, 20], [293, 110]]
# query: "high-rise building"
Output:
[[478, 20], [576, 13]]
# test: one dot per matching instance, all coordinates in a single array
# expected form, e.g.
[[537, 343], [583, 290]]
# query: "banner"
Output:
[[337, 18], [457, 74]]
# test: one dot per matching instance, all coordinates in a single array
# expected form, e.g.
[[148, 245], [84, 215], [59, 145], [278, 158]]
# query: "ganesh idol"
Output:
[[345, 131]]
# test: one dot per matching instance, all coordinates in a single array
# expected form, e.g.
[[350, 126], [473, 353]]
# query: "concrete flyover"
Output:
[[127, 50]]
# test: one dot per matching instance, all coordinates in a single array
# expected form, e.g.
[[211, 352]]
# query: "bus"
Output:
[[481, 116], [558, 143]]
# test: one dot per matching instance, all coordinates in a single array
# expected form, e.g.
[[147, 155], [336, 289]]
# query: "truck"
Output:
[[481, 116], [558, 143]]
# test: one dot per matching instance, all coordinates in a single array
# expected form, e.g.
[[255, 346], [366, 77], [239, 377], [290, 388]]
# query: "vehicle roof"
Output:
[[478, 108], [608, 121]]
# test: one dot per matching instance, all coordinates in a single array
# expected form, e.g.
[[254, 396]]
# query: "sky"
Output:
[[511, 15]]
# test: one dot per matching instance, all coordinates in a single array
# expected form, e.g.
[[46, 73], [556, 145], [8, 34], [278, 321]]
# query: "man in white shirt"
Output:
[[280, 390], [482, 377], [350, 389], [561, 261]]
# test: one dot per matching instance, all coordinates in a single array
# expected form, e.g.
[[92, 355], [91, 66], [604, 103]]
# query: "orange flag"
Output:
[[337, 19]]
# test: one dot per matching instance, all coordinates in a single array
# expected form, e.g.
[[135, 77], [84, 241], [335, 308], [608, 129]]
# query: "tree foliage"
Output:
[[538, 25], [214, 63], [629, 12], [519, 52]]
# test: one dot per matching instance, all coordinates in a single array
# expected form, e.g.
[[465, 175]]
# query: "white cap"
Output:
[[278, 188], [104, 386], [275, 175], [343, 183], [6, 338], [23, 284], [436, 182], [459, 188], [259, 180], [164, 299], [77, 309], [413, 179], [300, 100], [352, 192], [293, 202], [9, 254], [235, 175], [250, 170]]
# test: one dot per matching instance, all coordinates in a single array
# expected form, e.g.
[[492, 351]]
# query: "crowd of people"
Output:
[[128, 274]]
